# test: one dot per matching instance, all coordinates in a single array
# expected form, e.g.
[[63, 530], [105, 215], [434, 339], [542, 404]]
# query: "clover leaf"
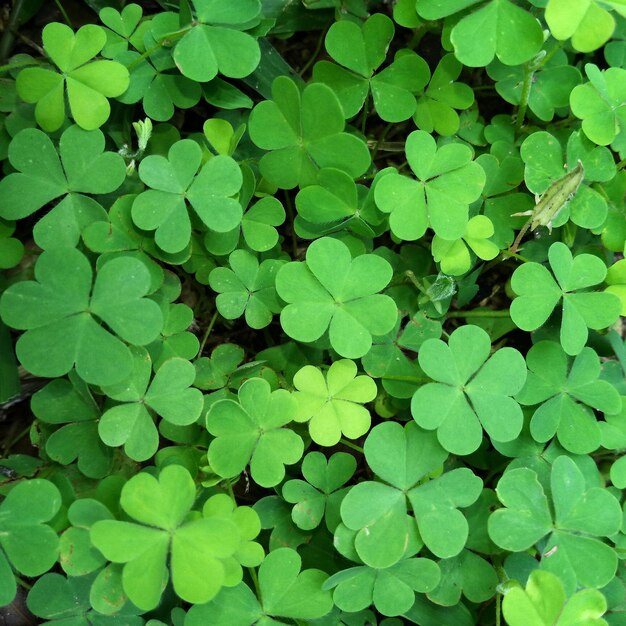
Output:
[[472, 390], [436, 107], [304, 131], [179, 180], [448, 181], [567, 392], [249, 431], [11, 249], [159, 90], [198, 547], [69, 403], [124, 27], [571, 549], [454, 256], [332, 405], [499, 28], [333, 291], [587, 23], [60, 313], [539, 293], [215, 372], [319, 495], [84, 168], [88, 85], [601, 103], [544, 603], [28, 544], [545, 164], [404, 458], [336, 202], [61, 600], [175, 340], [551, 85], [131, 424], [214, 32], [360, 50], [284, 592], [391, 590], [247, 286]]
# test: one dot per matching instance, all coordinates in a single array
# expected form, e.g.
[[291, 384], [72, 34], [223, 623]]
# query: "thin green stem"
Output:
[[290, 214], [7, 447], [529, 72], [621, 164], [498, 609], [617, 343], [380, 141], [231, 493], [66, 17], [313, 57], [349, 444], [207, 332], [408, 379], [413, 278], [17, 64], [168, 38], [8, 37], [479, 313], [255, 582], [366, 112]]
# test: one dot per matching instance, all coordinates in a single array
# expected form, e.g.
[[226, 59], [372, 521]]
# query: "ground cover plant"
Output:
[[311, 313]]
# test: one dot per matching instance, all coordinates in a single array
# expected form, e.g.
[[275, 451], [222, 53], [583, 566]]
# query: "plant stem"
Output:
[[8, 37], [255, 582], [294, 238], [498, 608], [168, 38], [349, 444], [408, 379], [315, 54], [479, 313], [66, 17], [366, 112], [529, 72], [207, 332], [621, 164], [413, 278], [17, 64]]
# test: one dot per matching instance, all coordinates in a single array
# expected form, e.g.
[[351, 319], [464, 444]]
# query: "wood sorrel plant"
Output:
[[321, 300]]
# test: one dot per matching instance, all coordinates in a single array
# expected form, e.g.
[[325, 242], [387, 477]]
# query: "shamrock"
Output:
[[335, 202], [69, 402], [391, 589], [174, 340], [360, 50], [448, 181], [454, 255], [84, 168], [539, 293], [333, 405], [247, 286], [214, 373], [585, 21], [284, 591], [499, 28], [551, 86], [304, 132], [472, 390], [249, 431], [215, 32], [88, 84], [178, 180], [131, 424], [60, 313], [435, 109], [567, 391], [58, 599], [545, 164], [333, 291], [601, 103], [616, 281], [319, 495], [27, 543], [570, 549], [124, 27], [159, 90], [544, 603], [198, 548], [404, 458]]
